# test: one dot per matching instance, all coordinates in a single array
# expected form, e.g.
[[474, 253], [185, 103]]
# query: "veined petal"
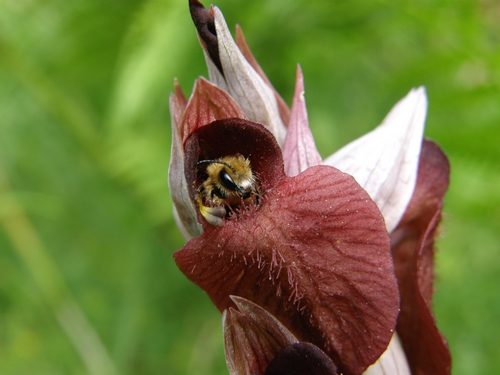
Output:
[[392, 362], [208, 103], [243, 83], [385, 161], [299, 151]]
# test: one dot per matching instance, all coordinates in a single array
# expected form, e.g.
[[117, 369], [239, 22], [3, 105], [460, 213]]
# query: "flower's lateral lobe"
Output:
[[314, 252], [413, 251]]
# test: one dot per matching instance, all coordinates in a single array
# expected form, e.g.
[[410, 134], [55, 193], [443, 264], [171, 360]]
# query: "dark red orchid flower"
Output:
[[295, 252]]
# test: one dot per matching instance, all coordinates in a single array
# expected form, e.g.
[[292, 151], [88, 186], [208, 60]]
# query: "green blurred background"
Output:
[[87, 280]]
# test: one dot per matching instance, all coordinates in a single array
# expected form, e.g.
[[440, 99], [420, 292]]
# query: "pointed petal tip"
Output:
[[423, 94], [178, 93], [298, 71], [415, 100], [299, 81], [420, 90], [416, 97], [299, 150]]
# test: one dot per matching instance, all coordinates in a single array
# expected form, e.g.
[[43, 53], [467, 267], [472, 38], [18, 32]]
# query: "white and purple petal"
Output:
[[385, 161]]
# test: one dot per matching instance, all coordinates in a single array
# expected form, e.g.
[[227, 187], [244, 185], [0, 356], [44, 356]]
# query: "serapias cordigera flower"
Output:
[[339, 253]]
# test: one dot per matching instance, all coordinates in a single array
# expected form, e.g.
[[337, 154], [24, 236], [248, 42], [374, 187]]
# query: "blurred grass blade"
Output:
[[136, 123], [68, 112], [145, 69], [31, 250]]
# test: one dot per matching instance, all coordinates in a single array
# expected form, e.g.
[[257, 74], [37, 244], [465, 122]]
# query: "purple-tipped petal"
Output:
[[203, 20], [299, 151], [249, 90], [385, 161]]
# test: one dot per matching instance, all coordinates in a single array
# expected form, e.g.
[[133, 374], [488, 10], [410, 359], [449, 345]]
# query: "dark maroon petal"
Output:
[[301, 358], [314, 253], [208, 103], [413, 249], [203, 19], [252, 337]]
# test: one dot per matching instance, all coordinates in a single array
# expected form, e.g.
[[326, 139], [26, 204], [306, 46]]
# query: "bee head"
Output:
[[234, 175]]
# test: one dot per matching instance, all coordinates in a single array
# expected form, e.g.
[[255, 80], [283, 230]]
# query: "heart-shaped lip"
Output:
[[315, 254]]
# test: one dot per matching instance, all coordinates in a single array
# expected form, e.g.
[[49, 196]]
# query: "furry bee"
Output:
[[230, 182]]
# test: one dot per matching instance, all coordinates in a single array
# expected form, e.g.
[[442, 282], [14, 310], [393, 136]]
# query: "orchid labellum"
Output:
[[315, 264]]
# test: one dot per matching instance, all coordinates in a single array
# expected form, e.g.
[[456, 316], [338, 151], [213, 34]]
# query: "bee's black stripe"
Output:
[[218, 193]]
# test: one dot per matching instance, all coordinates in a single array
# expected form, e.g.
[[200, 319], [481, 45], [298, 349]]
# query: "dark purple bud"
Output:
[[204, 21]]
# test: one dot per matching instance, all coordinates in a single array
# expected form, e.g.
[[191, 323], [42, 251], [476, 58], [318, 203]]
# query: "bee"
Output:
[[230, 182]]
